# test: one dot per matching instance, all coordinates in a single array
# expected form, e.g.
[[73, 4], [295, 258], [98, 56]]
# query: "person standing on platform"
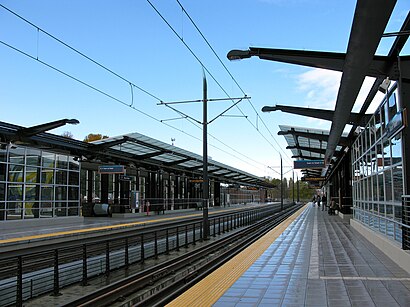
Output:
[[318, 200], [324, 202]]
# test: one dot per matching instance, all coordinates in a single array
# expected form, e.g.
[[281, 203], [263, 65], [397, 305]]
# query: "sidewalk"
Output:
[[319, 260]]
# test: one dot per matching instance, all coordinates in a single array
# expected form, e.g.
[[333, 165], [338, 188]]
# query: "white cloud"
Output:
[[321, 87]]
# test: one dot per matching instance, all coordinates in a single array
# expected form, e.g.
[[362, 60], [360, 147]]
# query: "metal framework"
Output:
[[133, 149]]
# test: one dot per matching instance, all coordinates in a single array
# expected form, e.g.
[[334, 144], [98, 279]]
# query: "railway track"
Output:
[[159, 285]]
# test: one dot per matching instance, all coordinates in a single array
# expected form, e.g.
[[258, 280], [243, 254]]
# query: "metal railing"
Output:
[[25, 275], [390, 227], [406, 221]]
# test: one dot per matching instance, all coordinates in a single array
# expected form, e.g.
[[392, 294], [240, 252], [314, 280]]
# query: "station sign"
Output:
[[125, 178], [111, 169], [308, 164]]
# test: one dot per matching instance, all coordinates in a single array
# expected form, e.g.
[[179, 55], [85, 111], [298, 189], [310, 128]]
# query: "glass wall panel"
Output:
[[396, 150], [388, 184], [61, 193], [16, 155], [32, 192], [15, 192], [47, 193], [29, 209], [61, 177], [33, 157], [392, 105], [47, 176], [46, 209], [3, 171], [32, 174], [386, 152], [2, 191], [397, 183], [73, 178], [14, 210], [62, 161], [73, 164], [3, 152], [48, 160], [60, 209], [73, 193], [16, 173]]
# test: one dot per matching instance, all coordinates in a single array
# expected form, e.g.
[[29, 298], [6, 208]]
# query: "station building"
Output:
[[47, 176], [366, 171]]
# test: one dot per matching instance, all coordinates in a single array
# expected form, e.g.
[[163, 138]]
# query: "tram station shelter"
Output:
[[43, 175], [365, 171]]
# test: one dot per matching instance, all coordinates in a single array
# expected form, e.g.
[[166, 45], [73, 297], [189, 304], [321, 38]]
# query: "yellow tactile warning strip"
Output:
[[212, 287], [109, 227]]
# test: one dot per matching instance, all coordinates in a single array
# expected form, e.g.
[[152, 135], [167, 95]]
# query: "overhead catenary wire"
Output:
[[212, 76], [132, 85], [128, 105], [230, 74]]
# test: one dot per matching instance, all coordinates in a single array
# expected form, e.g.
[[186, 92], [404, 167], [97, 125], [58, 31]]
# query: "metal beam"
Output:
[[344, 141], [354, 119], [305, 157], [370, 20], [310, 149], [30, 131]]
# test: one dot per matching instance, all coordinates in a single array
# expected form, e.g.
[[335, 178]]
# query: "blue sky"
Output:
[[132, 40]]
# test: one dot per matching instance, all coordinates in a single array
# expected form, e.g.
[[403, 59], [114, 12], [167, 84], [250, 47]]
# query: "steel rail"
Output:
[[125, 287]]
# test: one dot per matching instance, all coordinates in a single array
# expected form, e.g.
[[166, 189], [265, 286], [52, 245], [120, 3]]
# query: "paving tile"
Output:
[[321, 247]]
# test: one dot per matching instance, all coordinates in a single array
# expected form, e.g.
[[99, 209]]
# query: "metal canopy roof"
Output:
[[308, 144], [132, 149], [165, 156], [369, 23]]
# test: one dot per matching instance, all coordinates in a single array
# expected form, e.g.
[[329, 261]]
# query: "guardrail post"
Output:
[[177, 239], [126, 255], [142, 249], [219, 226], [155, 245], [19, 292], [406, 222], [56, 286], [213, 221], [84, 282], [107, 258], [167, 242], [193, 235], [186, 236]]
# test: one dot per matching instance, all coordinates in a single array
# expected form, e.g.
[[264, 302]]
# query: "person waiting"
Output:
[[324, 202]]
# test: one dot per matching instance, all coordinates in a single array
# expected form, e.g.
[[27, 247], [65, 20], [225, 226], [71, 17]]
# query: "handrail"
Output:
[[382, 217]]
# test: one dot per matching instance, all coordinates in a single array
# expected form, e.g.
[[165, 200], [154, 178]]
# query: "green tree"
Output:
[[94, 137]]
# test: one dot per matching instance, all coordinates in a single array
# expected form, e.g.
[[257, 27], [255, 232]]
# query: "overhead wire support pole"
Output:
[[281, 183], [205, 160]]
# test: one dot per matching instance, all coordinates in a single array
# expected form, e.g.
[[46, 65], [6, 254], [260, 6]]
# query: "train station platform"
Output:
[[36, 230], [312, 259]]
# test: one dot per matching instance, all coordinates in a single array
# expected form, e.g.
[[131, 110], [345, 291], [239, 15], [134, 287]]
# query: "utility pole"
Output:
[[297, 178], [281, 183], [205, 160], [293, 186]]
